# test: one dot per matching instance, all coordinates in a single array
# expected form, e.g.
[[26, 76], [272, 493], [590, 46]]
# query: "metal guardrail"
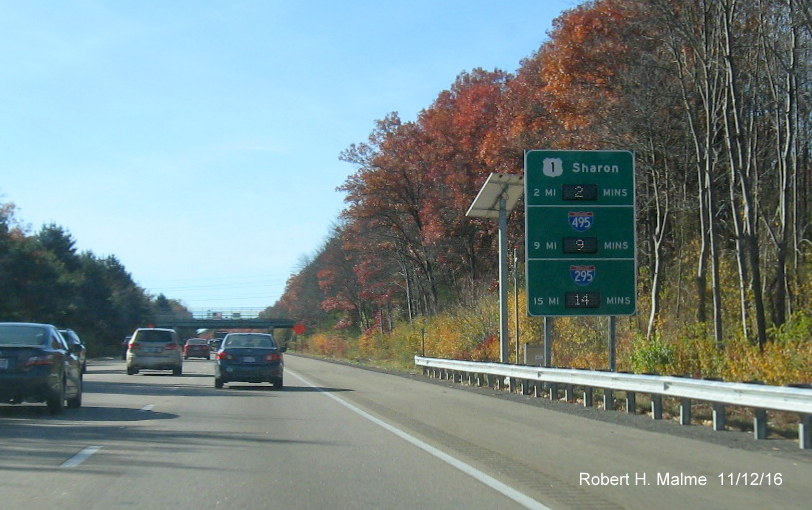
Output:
[[759, 397]]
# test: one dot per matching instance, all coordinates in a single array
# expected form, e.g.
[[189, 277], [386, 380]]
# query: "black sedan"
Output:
[[249, 357], [37, 365], [76, 345]]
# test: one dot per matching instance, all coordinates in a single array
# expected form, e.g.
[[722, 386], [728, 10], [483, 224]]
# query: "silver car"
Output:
[[154, 349]]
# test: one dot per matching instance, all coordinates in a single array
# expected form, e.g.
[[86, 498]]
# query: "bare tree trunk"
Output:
[[661, 208], [739, 147]]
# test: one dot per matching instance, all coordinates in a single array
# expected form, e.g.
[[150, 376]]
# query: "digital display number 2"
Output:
[[580, 191]]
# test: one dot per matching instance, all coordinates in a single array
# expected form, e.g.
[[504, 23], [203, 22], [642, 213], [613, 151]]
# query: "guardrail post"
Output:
[[553, 391], [685, 411], [657, 407], [608, 399], [718, 416], [631, 402], [569, 393], [805, 431], [536, 389], [588, 398], [760, 423]]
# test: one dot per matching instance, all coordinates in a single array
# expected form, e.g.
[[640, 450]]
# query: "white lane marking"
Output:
[[147, 407], [80, 457], [519, 497]]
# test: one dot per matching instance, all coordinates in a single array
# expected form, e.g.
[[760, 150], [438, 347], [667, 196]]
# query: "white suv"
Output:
[[154, 349]]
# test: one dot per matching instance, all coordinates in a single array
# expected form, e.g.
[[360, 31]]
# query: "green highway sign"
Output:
[[580, 233]]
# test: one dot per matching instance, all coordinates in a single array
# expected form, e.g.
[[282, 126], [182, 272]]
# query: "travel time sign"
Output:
[[580, 233]]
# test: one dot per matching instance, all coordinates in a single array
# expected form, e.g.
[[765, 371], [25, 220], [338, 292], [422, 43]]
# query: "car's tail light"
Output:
[[225, 355], [171, 346], [34, 361], [274, 356], [135, 345]]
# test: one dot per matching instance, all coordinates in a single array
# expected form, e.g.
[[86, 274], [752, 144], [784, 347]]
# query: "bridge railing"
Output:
[[758, 397]]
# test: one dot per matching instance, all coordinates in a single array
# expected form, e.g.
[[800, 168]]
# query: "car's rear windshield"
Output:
[[23, 335], [153, 335], [250, 340], [197, 342]]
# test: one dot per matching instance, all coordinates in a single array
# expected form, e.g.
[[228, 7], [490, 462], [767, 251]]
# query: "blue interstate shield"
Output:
[[582, 275], [581, 221]]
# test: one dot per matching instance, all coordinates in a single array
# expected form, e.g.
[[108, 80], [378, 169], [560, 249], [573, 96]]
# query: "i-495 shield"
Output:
[[581, 221]]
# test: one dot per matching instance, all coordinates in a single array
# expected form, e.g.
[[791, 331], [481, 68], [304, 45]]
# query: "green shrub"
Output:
[[651, 356]]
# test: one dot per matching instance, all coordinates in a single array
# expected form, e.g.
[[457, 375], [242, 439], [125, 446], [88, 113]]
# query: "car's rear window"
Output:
[[250, 340], [153, 335], [23, 335], [197, 342]]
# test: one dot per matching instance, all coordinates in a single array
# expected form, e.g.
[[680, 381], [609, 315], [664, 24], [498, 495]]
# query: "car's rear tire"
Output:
[[177, 371], [56, 403], [278, 383], [132, 370], [218, 383]]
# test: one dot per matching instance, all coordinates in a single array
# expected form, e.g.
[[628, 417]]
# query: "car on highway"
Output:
[[76, 344], [196, 348], [154, 349], [249, 357], [125, 346], [38, 365]]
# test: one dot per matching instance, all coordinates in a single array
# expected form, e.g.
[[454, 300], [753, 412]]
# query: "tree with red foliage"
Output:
[[456, 125]]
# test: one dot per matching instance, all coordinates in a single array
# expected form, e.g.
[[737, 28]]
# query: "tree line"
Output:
[[43, 278], [713, 96]]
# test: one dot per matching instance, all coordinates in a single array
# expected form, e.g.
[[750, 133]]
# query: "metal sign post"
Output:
[[496, 200]]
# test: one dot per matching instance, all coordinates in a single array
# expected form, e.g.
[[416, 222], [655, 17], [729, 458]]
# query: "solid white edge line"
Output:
[[506, 490], [80, 457]]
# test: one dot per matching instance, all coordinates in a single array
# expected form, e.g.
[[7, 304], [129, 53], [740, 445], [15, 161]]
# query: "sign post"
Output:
[[496, 200], [580, 233]]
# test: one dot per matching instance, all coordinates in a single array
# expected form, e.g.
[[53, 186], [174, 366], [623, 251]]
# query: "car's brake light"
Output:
[[274, 356], [225, 355], [33, 361], [134, 346], [171, 346]]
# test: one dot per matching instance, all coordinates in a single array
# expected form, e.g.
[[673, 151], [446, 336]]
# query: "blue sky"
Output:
[[198, 141]]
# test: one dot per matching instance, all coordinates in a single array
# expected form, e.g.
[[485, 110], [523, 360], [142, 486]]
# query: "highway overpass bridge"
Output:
[[229, 319]]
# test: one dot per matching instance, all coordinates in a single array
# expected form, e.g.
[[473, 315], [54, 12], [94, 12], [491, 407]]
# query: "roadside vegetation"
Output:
[[715, 100], [43, 278]]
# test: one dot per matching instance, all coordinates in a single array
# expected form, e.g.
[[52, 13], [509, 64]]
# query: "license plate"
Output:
[[3, 363], [249, 359], [153, 349]]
